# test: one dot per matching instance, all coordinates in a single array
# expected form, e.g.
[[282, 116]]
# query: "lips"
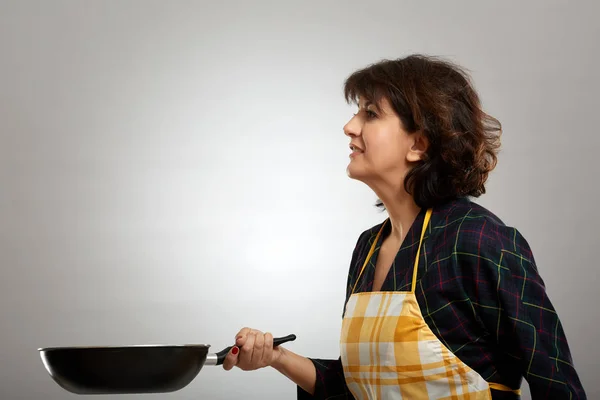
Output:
[[355, 148]]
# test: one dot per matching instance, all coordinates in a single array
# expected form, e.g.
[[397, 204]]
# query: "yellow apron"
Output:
[[388, 351]]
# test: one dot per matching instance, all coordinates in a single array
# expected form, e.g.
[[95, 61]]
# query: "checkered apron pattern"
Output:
[[389, 352]]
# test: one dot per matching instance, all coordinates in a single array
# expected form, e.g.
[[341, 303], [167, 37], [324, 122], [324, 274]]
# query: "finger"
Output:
[[259, 346], [231, 359], [240, 338], [268, 351], [246, 351]]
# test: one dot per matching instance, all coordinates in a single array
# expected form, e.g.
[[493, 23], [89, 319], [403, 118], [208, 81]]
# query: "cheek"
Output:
[[385, 150]]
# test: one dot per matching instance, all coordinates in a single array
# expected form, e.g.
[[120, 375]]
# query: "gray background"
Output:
[[172, 171]]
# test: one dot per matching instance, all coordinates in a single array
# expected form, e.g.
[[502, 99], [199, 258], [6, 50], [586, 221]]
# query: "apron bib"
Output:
[[389, 352]]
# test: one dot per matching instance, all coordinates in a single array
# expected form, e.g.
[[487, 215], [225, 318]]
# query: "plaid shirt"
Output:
[[481, 293]]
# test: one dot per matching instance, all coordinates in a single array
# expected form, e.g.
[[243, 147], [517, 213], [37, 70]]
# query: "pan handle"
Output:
[[220, 356]]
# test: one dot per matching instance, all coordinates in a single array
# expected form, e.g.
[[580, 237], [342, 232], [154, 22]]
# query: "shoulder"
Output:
[[471, 229]]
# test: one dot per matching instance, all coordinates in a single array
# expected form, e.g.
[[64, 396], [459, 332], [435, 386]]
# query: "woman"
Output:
[[444, 301]]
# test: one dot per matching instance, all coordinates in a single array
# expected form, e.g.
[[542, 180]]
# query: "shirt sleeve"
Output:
[[330, 381], [510, 298]]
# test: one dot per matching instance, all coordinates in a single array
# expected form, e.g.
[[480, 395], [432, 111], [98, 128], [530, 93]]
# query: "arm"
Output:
[[510, 297], [315, 378], [298, 369]]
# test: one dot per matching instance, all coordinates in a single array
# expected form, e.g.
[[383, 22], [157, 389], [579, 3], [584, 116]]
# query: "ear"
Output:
[[418, 146]]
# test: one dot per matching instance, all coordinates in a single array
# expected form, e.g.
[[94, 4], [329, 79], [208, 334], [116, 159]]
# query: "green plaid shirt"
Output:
[[482, 295]]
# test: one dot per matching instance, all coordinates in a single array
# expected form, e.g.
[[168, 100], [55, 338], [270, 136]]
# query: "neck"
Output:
[[402, 211]]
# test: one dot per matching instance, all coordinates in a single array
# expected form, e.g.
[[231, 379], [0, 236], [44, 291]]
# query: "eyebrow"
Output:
[[374, 104]]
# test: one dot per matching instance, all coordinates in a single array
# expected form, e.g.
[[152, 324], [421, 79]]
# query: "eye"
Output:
[[371, 114]]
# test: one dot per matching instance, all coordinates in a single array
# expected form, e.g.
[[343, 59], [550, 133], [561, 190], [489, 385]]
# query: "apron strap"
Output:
[[416, 266], [498, 386]]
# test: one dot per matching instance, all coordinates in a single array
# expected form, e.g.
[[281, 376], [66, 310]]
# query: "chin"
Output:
[[358, 174]]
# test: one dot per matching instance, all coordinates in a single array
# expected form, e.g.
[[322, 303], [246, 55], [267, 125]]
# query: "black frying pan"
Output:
[[131, 369]]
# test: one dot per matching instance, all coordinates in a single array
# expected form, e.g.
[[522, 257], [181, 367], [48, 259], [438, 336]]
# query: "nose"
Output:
[[352, 127]]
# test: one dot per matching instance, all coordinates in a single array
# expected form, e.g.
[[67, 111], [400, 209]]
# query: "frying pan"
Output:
[[131, 369]]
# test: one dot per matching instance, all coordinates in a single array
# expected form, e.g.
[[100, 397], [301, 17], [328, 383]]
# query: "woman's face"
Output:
[[381, 150]]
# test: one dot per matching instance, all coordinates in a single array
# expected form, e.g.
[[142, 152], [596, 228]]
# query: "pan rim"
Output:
[[121, 347]]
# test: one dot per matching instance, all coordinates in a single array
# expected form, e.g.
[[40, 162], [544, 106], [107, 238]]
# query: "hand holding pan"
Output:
[[131, 369]]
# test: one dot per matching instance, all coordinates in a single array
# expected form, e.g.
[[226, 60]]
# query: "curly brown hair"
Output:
[[435, 97]]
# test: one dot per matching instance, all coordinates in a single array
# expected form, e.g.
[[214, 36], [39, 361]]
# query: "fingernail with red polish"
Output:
[[234, 350]]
